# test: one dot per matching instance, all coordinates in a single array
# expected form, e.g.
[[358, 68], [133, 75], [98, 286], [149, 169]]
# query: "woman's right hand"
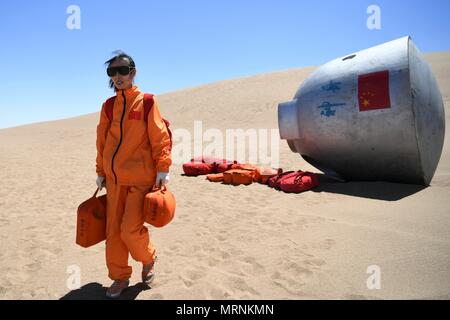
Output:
[[101, 183]]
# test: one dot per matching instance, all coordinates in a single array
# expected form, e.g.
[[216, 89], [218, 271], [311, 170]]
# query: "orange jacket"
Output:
[[130, 151]]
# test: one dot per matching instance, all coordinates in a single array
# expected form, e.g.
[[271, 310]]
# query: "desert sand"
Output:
[[245, 242]]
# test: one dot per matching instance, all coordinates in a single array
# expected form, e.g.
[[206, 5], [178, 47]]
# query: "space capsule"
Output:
[[376, 114]]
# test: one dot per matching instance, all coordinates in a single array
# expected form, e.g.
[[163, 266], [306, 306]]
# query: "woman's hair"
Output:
[[119, 55]]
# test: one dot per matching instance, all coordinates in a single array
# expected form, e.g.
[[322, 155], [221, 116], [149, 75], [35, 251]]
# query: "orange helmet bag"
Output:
[[159, 207], [91, 221]]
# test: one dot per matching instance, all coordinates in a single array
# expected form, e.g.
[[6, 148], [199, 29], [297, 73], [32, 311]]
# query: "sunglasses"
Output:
[[122, 70]]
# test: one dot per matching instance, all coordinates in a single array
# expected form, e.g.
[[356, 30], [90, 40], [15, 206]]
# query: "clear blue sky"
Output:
[[50, 72]]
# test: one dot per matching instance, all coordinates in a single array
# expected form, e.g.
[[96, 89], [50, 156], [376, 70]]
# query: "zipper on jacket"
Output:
[[121, 135]]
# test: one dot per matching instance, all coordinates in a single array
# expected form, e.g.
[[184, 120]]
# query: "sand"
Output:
[[226, 242]]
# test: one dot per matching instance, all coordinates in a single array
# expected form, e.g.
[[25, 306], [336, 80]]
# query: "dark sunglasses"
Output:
[[122, 70]]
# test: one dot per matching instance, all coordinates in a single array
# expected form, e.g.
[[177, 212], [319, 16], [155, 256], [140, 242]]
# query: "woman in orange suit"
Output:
[[133, 154]]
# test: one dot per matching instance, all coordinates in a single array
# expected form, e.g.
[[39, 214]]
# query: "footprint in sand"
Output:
[[299, 271], [294, 275], [217, 293], [291, 286], [224, 255], [212, 262], [252, 266], [187, 283], [238, 285], [326, 244], [34, 266], [54, 250], [175, 247], [192, 276], [315, 262], [156, 296]]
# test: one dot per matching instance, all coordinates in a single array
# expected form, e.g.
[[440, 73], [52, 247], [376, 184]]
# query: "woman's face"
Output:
[[122, 82]]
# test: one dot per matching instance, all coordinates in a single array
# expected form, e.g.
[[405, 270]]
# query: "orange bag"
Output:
[[197, 168], [215, 177], [238, 176], [159, 207], [262, 175], [244, 166], [228, 177], [243, 177], [91, 221]]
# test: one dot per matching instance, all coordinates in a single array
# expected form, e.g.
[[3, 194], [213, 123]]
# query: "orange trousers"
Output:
[[125, 230]]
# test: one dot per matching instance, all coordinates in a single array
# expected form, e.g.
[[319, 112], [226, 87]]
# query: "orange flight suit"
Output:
[[130, 151]]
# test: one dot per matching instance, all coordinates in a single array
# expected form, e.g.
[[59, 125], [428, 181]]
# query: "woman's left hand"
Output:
[[162, 179]]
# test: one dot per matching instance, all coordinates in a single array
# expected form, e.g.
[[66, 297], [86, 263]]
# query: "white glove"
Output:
[[101, 182], [162, 179]]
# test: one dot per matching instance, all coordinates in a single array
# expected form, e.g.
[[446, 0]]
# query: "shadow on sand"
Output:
[[379, 190], [95, 291]]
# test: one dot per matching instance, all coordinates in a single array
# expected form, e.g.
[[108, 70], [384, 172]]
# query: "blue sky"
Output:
[[51, 72]]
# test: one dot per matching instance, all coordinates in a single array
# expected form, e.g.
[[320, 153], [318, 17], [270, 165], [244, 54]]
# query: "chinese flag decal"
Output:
[[373, 91]]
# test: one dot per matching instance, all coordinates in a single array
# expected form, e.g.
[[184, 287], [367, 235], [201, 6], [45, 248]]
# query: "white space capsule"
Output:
[[376, 114]]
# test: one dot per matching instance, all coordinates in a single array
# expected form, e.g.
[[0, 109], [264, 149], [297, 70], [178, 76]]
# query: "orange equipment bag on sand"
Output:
[[159, 207], [201, 165], [275, 181], [197, 168], [238, 176], [224, 165], [244, 166], [215, 177], [262, 175], [91, 221], [299, 182]]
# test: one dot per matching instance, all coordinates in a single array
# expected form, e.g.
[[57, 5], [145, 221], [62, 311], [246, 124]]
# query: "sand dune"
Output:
[[226, 242]]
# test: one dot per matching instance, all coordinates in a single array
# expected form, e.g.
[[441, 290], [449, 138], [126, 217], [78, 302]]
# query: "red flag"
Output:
[[373, 91]]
